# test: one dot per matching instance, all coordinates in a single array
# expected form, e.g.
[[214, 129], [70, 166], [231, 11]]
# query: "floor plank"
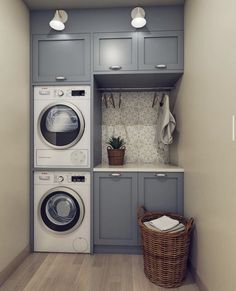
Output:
[[82, 272], [20, 278]]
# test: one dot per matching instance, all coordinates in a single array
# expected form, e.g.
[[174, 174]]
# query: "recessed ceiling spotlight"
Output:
[[59, 20], [138, 17]]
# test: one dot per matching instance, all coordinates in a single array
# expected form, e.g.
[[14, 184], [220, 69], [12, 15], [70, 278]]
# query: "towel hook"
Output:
[[155, 98], [162, 99], [104, 99], [119, 99], [111, 99]]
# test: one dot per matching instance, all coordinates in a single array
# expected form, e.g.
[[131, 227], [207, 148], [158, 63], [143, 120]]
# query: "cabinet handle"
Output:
[[161, 66], [160, 175], [115, 68], [60, 78], [115, 174]]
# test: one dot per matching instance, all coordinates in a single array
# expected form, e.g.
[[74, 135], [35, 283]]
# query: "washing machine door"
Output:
[[61, 210], [61, 125]]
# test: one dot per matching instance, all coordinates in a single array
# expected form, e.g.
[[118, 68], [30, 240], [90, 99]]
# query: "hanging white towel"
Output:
[[166, 121]]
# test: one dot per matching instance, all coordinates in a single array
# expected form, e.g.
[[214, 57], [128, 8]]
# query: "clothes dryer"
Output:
[[62, 126], [62, 212]]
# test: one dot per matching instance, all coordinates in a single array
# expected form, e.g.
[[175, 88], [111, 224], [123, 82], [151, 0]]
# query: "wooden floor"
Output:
[[67, 272]]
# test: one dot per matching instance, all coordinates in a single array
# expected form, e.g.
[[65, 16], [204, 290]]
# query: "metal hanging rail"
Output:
[[136, 89]]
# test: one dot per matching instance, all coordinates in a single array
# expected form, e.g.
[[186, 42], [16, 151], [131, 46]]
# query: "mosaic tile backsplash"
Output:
[[137, 123]]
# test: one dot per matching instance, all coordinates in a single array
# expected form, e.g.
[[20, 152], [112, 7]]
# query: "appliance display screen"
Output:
[[78, 179], [78, 93]]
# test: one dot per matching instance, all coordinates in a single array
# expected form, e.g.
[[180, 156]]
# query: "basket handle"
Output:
[[190, 224], [141, 211]]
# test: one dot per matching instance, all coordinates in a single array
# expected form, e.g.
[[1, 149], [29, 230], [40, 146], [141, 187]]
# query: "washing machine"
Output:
[[62, 126], [62, 212]]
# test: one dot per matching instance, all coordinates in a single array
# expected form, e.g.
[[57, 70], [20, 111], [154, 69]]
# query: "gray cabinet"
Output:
[[115, 51], [161, 191], [61, 58], [153, 51], [116, 198], [161, 50], [115, 203]]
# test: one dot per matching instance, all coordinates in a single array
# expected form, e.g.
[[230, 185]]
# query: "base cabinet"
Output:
[[116, 198], [161, 191], [115, 201]]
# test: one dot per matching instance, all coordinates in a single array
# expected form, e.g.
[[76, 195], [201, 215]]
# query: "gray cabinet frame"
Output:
[[102, 209], [116, 36], [163, 181], [169, 183], [69, 78], [161, 34]]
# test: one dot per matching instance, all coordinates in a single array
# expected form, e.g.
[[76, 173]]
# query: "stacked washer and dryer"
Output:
[[62, 141]]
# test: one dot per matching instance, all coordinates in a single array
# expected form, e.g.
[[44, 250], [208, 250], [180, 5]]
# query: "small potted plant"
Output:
[[116, 151]]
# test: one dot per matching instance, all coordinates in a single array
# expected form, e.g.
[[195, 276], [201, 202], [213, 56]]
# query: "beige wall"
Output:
[[14, 128], [204, 109]]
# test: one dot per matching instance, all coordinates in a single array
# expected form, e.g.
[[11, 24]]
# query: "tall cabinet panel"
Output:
[[161, 50], [115, 51], [61, 58], [115, 203]]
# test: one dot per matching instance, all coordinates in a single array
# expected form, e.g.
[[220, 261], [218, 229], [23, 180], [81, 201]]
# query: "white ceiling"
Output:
[[73, 4]]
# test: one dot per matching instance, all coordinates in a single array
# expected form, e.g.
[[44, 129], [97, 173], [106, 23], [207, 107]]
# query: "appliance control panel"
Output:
[[62, 178], [61, 92], [69, 178], [68, 93]]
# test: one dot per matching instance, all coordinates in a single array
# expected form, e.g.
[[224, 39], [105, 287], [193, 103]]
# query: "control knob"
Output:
[[60, 93], [60, 178]]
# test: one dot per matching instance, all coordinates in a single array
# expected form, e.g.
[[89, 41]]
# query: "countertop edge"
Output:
[[141, 168]]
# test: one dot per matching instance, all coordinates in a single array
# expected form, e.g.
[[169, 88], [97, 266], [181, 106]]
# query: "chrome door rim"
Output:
[[73, 194], [81, 119]]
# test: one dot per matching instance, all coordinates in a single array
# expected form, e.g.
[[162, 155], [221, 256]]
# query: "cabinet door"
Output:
[[115, 51], [115, 203], [161, 191], [61, 58], [161, 50]]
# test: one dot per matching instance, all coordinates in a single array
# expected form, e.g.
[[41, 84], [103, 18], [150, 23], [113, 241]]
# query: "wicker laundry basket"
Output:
[[165, 254]]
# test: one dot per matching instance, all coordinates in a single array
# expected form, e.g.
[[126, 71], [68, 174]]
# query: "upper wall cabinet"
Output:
[[161, 50], [61, 58], [115, 51], [143, 51]]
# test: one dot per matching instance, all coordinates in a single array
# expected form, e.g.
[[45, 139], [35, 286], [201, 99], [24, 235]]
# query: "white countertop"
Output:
[[138, 167]]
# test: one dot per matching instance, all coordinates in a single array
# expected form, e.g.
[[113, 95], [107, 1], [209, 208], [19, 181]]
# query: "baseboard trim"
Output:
[[106, 249], [14, 264], [197, 279]]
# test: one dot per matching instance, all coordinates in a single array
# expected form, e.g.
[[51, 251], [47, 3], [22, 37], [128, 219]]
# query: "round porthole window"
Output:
[[61, 210], [61, 125]]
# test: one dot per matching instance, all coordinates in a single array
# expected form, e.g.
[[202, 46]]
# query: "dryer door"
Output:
[[61, 210], [61, 125]]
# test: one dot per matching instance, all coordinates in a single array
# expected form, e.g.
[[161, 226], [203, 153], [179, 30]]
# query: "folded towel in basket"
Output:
[[164, 223], [178, 228]]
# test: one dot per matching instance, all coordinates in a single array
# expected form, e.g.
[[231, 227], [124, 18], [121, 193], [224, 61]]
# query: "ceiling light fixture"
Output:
[[59, 20], [138, 17]]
